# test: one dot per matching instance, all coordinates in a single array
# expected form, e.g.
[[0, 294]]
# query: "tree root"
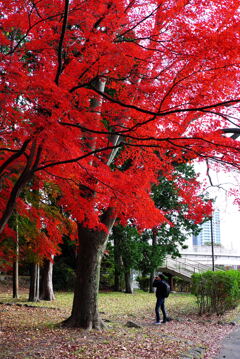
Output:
[[72, 322]]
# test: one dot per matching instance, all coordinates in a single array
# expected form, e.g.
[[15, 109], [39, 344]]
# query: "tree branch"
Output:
[[196, 153], [28, 31], [14, 156], [76, 159], [24, 177], [208, 173], [139, 22], [60, 46], [166, 112], [149, 138], [235, 132]]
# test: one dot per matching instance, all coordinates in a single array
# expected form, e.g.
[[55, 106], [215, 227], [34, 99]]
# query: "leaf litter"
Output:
[[32, 332]]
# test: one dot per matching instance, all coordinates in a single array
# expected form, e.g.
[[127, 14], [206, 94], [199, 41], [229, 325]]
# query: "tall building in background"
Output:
[[204, 237]]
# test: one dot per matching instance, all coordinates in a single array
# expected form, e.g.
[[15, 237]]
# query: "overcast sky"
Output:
[[229, 213]]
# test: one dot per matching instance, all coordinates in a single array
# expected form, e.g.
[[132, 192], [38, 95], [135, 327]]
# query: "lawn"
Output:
[[33, 332]]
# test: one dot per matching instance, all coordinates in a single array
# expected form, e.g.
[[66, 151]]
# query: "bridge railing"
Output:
[[185, 266]]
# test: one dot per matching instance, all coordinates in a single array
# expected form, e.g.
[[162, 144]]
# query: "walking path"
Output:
[[231, 346]]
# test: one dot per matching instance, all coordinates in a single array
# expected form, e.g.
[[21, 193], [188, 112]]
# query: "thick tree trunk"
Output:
[[34, 283], [128, 282], [92, 244], [46, 283]]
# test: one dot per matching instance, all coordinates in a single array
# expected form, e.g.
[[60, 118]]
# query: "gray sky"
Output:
[[229, 213]]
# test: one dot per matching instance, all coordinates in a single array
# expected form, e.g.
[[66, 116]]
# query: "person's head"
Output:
[[160, 275]]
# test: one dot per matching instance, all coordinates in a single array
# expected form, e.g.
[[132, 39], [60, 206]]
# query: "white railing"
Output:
[[185, 266]]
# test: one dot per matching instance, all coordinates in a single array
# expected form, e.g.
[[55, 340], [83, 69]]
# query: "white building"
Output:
[[208, 230]]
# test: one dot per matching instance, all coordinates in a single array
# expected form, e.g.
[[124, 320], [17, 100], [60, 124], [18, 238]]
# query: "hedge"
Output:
[[217, 291]]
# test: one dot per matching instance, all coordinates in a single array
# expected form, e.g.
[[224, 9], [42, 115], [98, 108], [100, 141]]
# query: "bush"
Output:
[[106, 280], [107, 269], [143, 283], [63, 276], [181, 285], [216, 292]]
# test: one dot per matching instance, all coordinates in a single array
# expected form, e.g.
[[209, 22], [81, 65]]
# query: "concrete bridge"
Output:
[[182, 267], [222, 257], [199, 259]]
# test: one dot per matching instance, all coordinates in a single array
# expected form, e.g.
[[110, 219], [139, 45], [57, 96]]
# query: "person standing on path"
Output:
[[162, 292]]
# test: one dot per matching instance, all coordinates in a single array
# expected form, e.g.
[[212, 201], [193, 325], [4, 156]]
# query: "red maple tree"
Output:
[[100, 97]]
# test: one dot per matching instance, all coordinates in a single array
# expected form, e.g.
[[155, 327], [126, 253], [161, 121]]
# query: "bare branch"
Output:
[[208, 173], [139, 22]]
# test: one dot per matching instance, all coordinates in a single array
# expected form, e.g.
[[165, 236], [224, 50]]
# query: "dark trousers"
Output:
[[160, 304]]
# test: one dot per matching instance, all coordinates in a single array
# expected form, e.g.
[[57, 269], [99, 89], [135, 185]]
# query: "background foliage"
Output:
[[216, 291]]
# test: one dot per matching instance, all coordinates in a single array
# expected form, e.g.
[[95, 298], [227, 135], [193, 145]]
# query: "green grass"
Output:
[[63, 300], [115, 303]]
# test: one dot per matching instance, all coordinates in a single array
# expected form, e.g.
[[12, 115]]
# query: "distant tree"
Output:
[[146, 251], [46, 280], [127, 254], [65, 265], [40, 226], [183, 215], [107, 272]]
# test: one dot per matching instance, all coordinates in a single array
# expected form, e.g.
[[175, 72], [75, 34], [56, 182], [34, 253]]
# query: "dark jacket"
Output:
[[160, 292]]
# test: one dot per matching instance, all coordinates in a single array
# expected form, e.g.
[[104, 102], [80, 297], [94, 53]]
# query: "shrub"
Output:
[[63, 276], [143, 283], [216, 292], [106, 280], [181, 285]]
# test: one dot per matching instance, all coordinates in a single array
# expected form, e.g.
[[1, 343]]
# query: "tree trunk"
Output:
[[15, 280], [154, 243], [34, 283], [117, 267], [46, 284], [151, 282], [16, 266], [92, 244], [117, 280], [128, 282]]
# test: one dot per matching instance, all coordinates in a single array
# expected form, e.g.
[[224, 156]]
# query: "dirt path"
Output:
[[231, 346]]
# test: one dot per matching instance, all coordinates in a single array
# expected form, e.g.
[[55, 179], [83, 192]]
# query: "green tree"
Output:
[[147, 251], [127, 254]]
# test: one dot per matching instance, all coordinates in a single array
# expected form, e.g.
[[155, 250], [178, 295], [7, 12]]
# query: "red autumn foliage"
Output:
[[99, 97]]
